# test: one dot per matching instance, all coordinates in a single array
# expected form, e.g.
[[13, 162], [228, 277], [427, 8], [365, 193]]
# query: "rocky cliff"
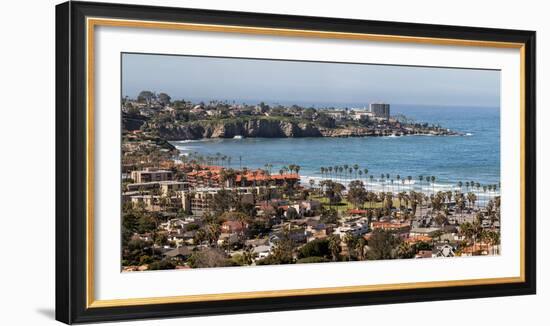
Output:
[[251, 128], [274, 128]]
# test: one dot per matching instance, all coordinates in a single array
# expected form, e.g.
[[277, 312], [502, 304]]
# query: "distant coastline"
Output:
[[181, 120]]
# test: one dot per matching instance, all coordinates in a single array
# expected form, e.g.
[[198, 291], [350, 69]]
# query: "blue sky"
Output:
[[306, 83]]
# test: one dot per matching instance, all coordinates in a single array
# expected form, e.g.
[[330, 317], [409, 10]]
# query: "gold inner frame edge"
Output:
[[91, 22]]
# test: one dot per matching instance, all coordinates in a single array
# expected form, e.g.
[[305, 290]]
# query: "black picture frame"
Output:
[[71, 200]]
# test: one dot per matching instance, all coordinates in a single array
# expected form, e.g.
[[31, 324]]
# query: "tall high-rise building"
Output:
[[380, 110]]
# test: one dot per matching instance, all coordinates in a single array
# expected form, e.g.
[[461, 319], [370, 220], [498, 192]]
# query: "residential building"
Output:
[[171, 186], [380, 110], [151, 175]]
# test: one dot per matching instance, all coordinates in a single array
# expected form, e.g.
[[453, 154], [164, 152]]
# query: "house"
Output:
[[390, 226], [310, 205], [180, 253], [182, 238], [256, 242], [262, 251], [228, 238], [479, 249], [316, 231], [423, 231], [423, 254], [356, 227], [355, 211], [443, 250], [233, 227], [418, 238]]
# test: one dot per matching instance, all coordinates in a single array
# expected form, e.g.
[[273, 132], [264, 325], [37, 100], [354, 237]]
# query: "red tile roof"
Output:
[[357, 211]]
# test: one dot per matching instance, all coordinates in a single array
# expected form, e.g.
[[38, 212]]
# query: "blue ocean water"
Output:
[[473, 157]]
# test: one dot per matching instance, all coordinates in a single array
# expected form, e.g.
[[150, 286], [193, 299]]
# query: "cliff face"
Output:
[[251, 128], [272, 128]]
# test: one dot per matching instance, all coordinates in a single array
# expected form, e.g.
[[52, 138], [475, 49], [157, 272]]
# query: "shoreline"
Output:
[[379, 186]]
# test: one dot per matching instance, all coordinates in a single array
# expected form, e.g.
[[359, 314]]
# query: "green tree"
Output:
[[334, 246], [381, 245], [318, 248], [145, 97], [163, 264], [164, 98], [357, 195]]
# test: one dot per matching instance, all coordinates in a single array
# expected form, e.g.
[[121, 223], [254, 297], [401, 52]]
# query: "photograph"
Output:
[[246, 162], [213, 162]]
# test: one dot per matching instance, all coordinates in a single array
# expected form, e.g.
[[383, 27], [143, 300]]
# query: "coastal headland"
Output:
[[191, 121]]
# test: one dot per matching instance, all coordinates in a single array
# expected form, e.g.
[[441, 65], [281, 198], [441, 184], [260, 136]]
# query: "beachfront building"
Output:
[[215, 177], [380, 110]]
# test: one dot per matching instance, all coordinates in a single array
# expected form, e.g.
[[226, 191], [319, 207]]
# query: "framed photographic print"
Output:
[[213, 162]]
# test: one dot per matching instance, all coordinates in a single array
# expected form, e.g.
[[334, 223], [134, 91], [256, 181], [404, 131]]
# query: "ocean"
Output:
[[472, 157]]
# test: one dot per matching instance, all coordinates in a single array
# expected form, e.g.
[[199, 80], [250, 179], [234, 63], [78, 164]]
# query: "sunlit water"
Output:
[[473, 157]]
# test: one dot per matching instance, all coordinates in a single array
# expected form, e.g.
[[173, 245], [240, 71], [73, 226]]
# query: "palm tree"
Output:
[[349, 240], [400, 197], [494, 239], [398, 177], [472, 199], [433, 184], [356, 167], [413, 200], [346, 168], [334, 246], [477, 188], [420, 178], [371, 177], [360, 248], [212, 232]]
